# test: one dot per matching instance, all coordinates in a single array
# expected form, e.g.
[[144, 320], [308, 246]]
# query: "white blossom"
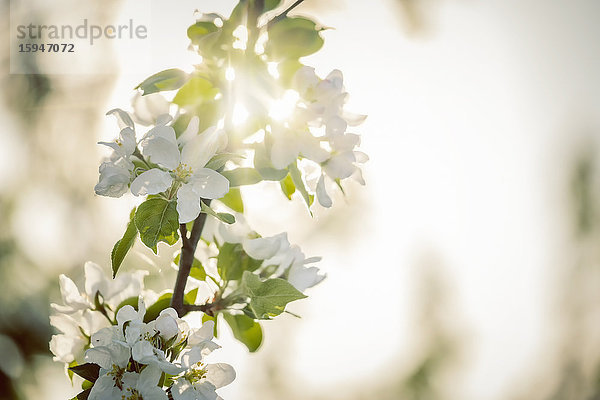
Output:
[[113, 291], [132, 355], [75, 331], [116, 172], [201, 381], [287, 260], [77, 318], [149, 109], [318, 132], [185, 168]]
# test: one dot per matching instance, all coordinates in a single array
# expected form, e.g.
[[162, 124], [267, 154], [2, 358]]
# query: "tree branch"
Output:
[[285, 13], [186, 259], [208, 308]]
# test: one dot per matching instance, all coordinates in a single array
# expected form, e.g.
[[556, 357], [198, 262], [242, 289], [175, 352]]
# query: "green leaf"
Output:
[[293, 38], [190, 297], [269, 298], [181, 124], [299, 184], [154, 310], [210, 45], [87, 371], [196, 91], [287, 187], [271, 4], [69, 372], [265, 168], [219, 160], [242, 176], [246, 330], [157, 221], [197, 271], [130, 301], [206, 318], [223, 217], [233, 261], [287, 70], [169, 79], [236, 16], [85, 385], [209, 113], [124, 244], [233, 200], [200, 29]]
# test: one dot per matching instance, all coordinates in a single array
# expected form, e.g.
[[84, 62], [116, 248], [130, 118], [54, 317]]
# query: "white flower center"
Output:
[[132, 394], [117, 374], [196, 373], [182, 172]]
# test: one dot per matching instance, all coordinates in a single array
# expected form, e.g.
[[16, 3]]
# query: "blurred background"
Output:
[[467, 268]]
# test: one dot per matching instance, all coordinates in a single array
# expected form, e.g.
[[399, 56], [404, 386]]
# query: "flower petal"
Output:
[[66, 348], [305, 80], [128, 141], [322, 195], [107, 356], [303, 278], [264, 248], [209, 184], [220, 374], [166, 323], [123, 118], [235, 233], [198, 150], [340, 166], [153, 181], [160, 146], [284, 152], [191, 131], [163, 119], [104, 389], [149, 377], [336, 125], [310, 148], [147, 108], [354, 119], [183, 390], [114, 180], [70, 294], [95, 279], [188, 203]]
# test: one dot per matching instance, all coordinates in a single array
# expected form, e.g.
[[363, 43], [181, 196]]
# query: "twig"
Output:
[[208, 308], [186, 260], [285, 13]]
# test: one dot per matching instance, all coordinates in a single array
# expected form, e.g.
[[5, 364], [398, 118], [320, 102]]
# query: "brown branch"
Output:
[[186, 259], [285, 13], [208, 308]]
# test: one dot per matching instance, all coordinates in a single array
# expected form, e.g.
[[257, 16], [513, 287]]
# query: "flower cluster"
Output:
[[125, 355], [279, 258], [138, 358], [317, 131], [83, 313], [166, 164]]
